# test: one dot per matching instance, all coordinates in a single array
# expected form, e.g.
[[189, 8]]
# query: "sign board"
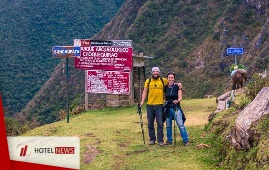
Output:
[[110, 82], [65, 51], [235, 51], [104, 55]]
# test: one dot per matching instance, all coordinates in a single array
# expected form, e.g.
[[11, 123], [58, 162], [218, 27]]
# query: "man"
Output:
[[154, 90]]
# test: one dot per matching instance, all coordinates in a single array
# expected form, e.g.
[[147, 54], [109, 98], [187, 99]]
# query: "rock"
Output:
[[225, 101], [251, 114], [202, 145], [222, 102], [221, 105], [224, 96]]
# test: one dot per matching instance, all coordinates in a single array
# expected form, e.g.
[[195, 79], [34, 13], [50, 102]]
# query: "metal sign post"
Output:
[[235, 51], [67, 89], [235, 63], [66, 52]]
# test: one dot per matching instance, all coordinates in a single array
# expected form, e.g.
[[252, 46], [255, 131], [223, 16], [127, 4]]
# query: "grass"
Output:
[[111, 139]]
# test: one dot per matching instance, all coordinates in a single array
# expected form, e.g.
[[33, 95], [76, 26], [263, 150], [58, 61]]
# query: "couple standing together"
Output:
[[154, 89]]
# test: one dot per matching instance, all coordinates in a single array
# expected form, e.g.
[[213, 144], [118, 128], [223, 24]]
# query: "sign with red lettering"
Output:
[[111, 82], [104, 55]]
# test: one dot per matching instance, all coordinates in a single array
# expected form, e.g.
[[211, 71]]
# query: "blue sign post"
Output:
[[66, 52], [235, 51]]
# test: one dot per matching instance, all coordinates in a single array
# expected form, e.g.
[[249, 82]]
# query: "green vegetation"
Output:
[[223, 127], [256, 84], [262, 63], [29, 30], [188, 37], [111, 139], [172, 30], [239, 66], [256, 157]]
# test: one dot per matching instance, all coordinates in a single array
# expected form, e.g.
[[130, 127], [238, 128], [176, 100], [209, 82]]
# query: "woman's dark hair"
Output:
[[171, 72]]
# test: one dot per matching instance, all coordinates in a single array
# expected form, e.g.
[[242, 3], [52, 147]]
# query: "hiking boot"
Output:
[[161, 144], [186, 143], [168, 143], [152, 142]]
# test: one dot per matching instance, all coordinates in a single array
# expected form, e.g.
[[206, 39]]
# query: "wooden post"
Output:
[[86, 93]]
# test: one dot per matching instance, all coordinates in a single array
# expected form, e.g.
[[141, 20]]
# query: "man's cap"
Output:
[[155, 69]]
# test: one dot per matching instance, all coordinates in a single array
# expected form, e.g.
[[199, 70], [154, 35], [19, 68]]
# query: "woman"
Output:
[[173, 96]]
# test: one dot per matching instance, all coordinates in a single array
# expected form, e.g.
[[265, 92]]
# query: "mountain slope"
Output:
[[189, 37], [54, 91], [29, 29]]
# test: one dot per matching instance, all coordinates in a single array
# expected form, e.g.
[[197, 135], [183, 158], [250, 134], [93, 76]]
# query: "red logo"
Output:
[[23, 150], [85, 42]]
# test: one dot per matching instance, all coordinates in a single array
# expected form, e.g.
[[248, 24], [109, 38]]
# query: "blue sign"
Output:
[[65, 51], [235, 51]]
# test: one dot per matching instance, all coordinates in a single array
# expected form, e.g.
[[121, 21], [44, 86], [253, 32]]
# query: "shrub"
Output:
[[242, 102], [216, 36], [240, 66], [262, 63], [256, 84]]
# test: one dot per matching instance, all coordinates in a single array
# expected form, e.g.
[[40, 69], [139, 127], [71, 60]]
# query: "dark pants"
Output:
[[155, 111]]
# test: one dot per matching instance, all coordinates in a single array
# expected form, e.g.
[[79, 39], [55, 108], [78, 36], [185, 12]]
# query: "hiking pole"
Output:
[[139, 106], [141, 120], [175, 126]]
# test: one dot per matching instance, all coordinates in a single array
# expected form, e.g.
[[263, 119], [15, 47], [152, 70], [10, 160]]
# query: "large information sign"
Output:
[[111, 82], [104, 55]]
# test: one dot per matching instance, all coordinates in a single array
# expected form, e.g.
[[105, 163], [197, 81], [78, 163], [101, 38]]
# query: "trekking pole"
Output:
[[139, 106], [175, 126], [141, 120]]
